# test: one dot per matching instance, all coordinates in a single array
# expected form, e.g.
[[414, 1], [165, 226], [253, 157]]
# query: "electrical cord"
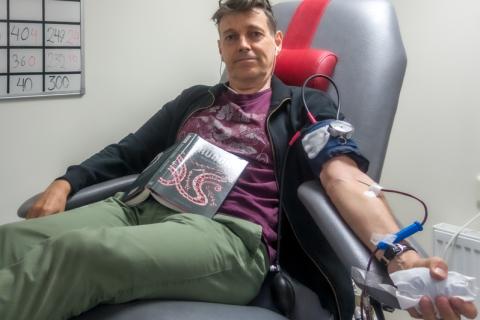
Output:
[[455, 236]]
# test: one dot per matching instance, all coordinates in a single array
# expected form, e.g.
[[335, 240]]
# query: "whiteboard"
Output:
[[41, 48]]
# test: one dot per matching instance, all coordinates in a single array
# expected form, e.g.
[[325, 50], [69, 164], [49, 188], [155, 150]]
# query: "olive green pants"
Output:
[[59, 266]]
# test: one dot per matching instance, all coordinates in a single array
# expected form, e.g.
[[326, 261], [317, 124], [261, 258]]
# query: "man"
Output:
[[58, 265]]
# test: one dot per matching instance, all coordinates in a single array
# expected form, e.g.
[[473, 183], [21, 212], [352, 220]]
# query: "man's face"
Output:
[[247, 46]]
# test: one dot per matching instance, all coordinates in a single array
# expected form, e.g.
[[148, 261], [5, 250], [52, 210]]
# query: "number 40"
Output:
[[25, 83]]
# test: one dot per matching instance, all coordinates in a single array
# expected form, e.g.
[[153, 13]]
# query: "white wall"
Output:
[[434, 150], [139, 54]]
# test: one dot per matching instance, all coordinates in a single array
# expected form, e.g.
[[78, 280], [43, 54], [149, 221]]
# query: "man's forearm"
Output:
[[365, 215]]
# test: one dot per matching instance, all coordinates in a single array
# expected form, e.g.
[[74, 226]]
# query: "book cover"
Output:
[[195, 176], [138, 192]]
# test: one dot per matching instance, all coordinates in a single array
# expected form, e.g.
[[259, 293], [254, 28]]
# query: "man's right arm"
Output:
[[131, 155], [53, 200]]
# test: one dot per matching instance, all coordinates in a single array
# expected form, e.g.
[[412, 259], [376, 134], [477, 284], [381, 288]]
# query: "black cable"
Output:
[[280, 208], [319, 75], [364, 291]]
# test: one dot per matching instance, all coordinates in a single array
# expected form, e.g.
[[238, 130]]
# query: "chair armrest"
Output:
[[348, 247], [87, 195]]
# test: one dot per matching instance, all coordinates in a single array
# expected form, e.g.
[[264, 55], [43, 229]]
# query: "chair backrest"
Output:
[[293, 66], [365, 37], [371, 61]]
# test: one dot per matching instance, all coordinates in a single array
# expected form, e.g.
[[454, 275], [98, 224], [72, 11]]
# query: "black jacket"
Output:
[[305, 253]]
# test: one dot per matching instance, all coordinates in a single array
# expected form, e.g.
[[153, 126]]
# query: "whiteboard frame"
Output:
[[82, 81]]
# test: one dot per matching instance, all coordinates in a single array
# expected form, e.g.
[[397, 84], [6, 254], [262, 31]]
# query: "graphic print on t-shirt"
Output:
[[237, 126]]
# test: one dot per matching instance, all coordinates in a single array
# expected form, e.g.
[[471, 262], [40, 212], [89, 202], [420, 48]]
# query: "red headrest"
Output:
[[294, 66]]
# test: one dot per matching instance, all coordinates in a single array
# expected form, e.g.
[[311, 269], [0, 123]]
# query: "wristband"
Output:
[[395, 250]]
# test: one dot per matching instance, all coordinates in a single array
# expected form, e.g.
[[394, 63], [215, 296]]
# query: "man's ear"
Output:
[[219, 49], [278, 40]]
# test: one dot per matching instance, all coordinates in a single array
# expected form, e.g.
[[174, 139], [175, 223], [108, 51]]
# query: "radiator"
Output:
[[463, 255]]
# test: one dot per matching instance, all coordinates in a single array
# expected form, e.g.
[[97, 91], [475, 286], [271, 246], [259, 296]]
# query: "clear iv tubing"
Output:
[[425, 217]]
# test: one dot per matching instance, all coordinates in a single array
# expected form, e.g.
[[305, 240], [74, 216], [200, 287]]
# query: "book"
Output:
[[192, 176]]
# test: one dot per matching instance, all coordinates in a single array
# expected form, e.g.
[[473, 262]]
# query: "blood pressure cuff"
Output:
[[332, 147]]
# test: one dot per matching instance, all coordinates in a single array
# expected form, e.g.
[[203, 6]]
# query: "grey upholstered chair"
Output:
[[371, 64]]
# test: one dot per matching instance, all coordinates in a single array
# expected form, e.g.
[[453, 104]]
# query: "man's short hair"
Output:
[[232, 6]]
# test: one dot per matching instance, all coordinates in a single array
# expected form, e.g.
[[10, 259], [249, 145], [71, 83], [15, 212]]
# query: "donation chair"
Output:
[[358, 43]]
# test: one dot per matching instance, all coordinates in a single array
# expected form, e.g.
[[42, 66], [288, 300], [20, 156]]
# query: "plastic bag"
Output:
[[414, 283]]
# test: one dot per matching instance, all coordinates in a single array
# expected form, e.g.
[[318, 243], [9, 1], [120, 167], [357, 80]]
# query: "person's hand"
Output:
[[449, 308], [52, 200]]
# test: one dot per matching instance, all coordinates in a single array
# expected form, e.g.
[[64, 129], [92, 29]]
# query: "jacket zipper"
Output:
[[271, 140], [293, 229]]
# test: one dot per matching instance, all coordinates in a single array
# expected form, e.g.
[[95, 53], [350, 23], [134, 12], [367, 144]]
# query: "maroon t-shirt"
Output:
[[237, 123]]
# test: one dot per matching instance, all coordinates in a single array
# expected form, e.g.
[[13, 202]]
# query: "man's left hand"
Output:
[[449, 308]]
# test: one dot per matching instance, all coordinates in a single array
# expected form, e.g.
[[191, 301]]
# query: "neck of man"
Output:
[[250, 86]]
